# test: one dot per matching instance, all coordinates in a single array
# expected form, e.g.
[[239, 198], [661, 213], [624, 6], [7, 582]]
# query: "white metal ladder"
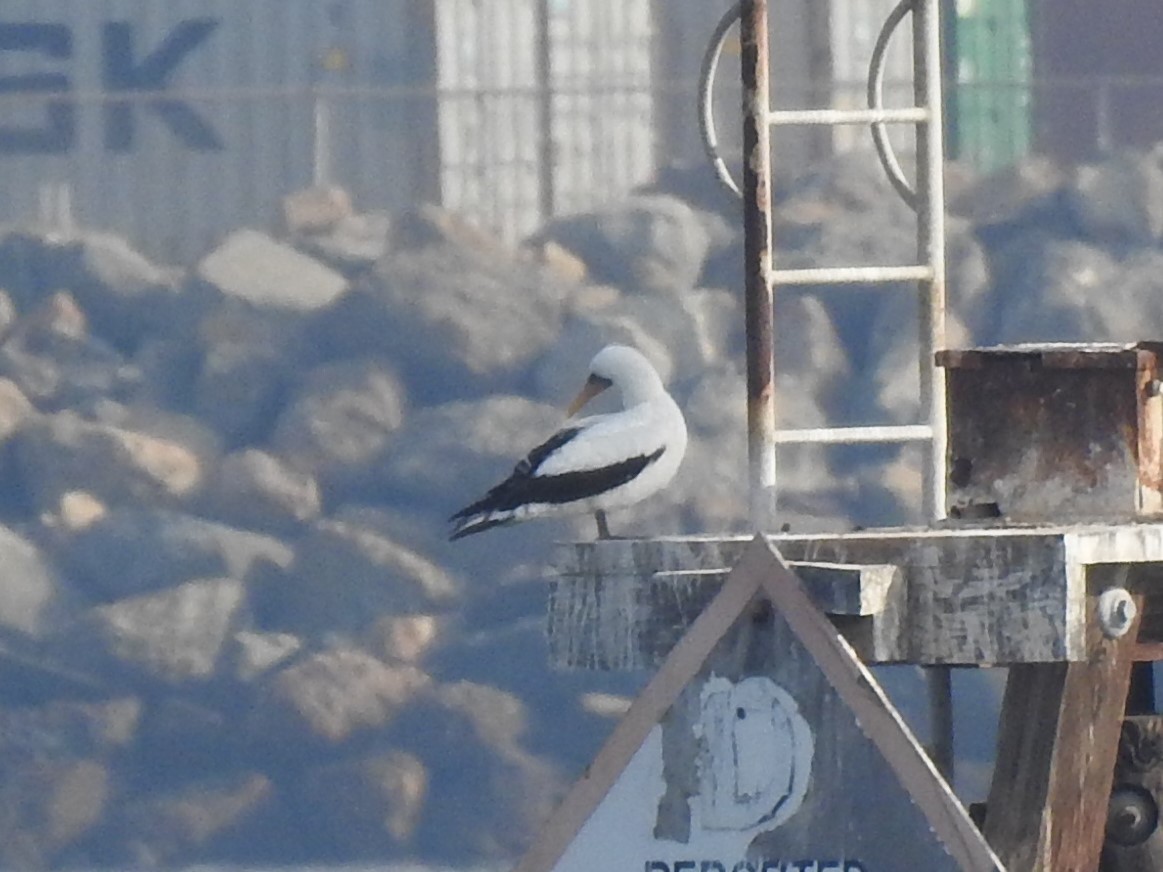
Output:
[[762, 277]]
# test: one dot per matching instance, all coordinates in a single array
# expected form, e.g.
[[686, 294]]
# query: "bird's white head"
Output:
[[624, 368]]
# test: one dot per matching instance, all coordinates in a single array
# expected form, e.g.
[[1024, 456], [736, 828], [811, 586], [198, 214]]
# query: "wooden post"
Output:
[[1057, 741]]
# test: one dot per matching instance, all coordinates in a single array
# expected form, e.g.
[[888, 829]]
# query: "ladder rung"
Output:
[[855, 435], [851, 275], [833, 117]]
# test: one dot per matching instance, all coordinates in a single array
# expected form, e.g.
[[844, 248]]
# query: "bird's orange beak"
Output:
[[594, 385]]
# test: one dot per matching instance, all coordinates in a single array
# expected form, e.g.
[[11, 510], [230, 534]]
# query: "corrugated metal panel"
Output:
[[248, 80], [855, 25], [990, 114], [491, 121], [260, 75]]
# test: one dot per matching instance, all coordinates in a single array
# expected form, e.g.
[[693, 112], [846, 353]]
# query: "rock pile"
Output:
[[230, 626]]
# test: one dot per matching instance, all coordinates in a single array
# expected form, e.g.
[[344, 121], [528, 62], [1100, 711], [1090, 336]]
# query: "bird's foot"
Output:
[[603, 527]]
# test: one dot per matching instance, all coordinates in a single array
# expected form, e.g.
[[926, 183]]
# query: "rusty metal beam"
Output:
[[757, 247]]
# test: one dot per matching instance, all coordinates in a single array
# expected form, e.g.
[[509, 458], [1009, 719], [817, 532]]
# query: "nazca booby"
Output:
[[594, 463]]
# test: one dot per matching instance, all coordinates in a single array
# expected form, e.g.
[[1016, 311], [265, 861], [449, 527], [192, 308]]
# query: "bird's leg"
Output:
[[603, 527]]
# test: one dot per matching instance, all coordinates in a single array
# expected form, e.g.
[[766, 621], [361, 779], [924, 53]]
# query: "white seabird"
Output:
[[595, 463]]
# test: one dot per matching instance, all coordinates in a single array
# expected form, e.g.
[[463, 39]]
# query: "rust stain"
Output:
[[1047, 433]]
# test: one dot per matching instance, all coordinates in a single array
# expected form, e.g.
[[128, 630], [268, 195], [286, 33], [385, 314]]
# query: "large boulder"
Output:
[[367, 807], [328, 698], [1121, 199], [50, 355], [1066, 290], [458, 321], [256, 490], [248, 360], [253, 268], [174, 635], [68, 729], [340, 422], [34, 599], [349, 572], [126, 295], [188, 824], [64, 452], [48, 805], [130, 551], [471, 734], [655, 243]]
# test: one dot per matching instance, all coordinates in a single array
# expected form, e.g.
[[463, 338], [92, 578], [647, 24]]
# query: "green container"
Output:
[[988, 57]]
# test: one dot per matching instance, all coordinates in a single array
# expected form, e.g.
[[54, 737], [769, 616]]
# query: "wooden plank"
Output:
[[626, 623], [974, 595], [835, 588], [1057, 739]]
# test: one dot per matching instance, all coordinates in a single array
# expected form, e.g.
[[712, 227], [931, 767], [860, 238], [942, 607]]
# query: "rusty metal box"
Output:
[[1055, 432]]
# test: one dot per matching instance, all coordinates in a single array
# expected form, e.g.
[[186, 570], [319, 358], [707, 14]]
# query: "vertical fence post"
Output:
[[757, 242], [543, 70]]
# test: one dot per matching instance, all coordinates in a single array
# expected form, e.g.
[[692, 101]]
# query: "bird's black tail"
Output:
[[467, 525]]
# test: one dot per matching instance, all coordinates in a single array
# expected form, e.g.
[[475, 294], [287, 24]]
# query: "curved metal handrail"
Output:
[[880, 139], [706, 86]]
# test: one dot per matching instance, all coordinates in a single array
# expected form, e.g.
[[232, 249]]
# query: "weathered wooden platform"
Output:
[[991, 593]]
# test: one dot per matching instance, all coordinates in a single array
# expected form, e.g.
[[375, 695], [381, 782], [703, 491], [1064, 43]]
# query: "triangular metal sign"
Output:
[[762, 744]]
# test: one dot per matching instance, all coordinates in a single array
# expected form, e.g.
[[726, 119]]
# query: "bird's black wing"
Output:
[[505, 495]]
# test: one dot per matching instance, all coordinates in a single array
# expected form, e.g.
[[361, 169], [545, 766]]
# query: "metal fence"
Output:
[[176, 123]]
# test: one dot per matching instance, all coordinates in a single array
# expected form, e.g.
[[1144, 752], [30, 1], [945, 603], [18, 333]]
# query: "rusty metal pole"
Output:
[[931, 300], [757, 244]]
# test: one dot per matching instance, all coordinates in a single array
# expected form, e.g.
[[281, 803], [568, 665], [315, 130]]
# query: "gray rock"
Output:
[[125, 295], [253, 654], [449, 454], [47, 805], [348, 573], [470, 734], [56, 363], [1121, 199], [330, 697], [131, 551], [186, 825], [34, 599], [353, 244], [68, 729], [168, 366], [1013, 196], [654, 243], [15, 408], [1063, 290], [340, 422], [561, 371], [63, 452], [711, 487], [406, 638], [849, 183], [248, 360], [175, 635], [256, 490], [457, 321], [251, 267], [159, 422], [312, 210], [368, 807]]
